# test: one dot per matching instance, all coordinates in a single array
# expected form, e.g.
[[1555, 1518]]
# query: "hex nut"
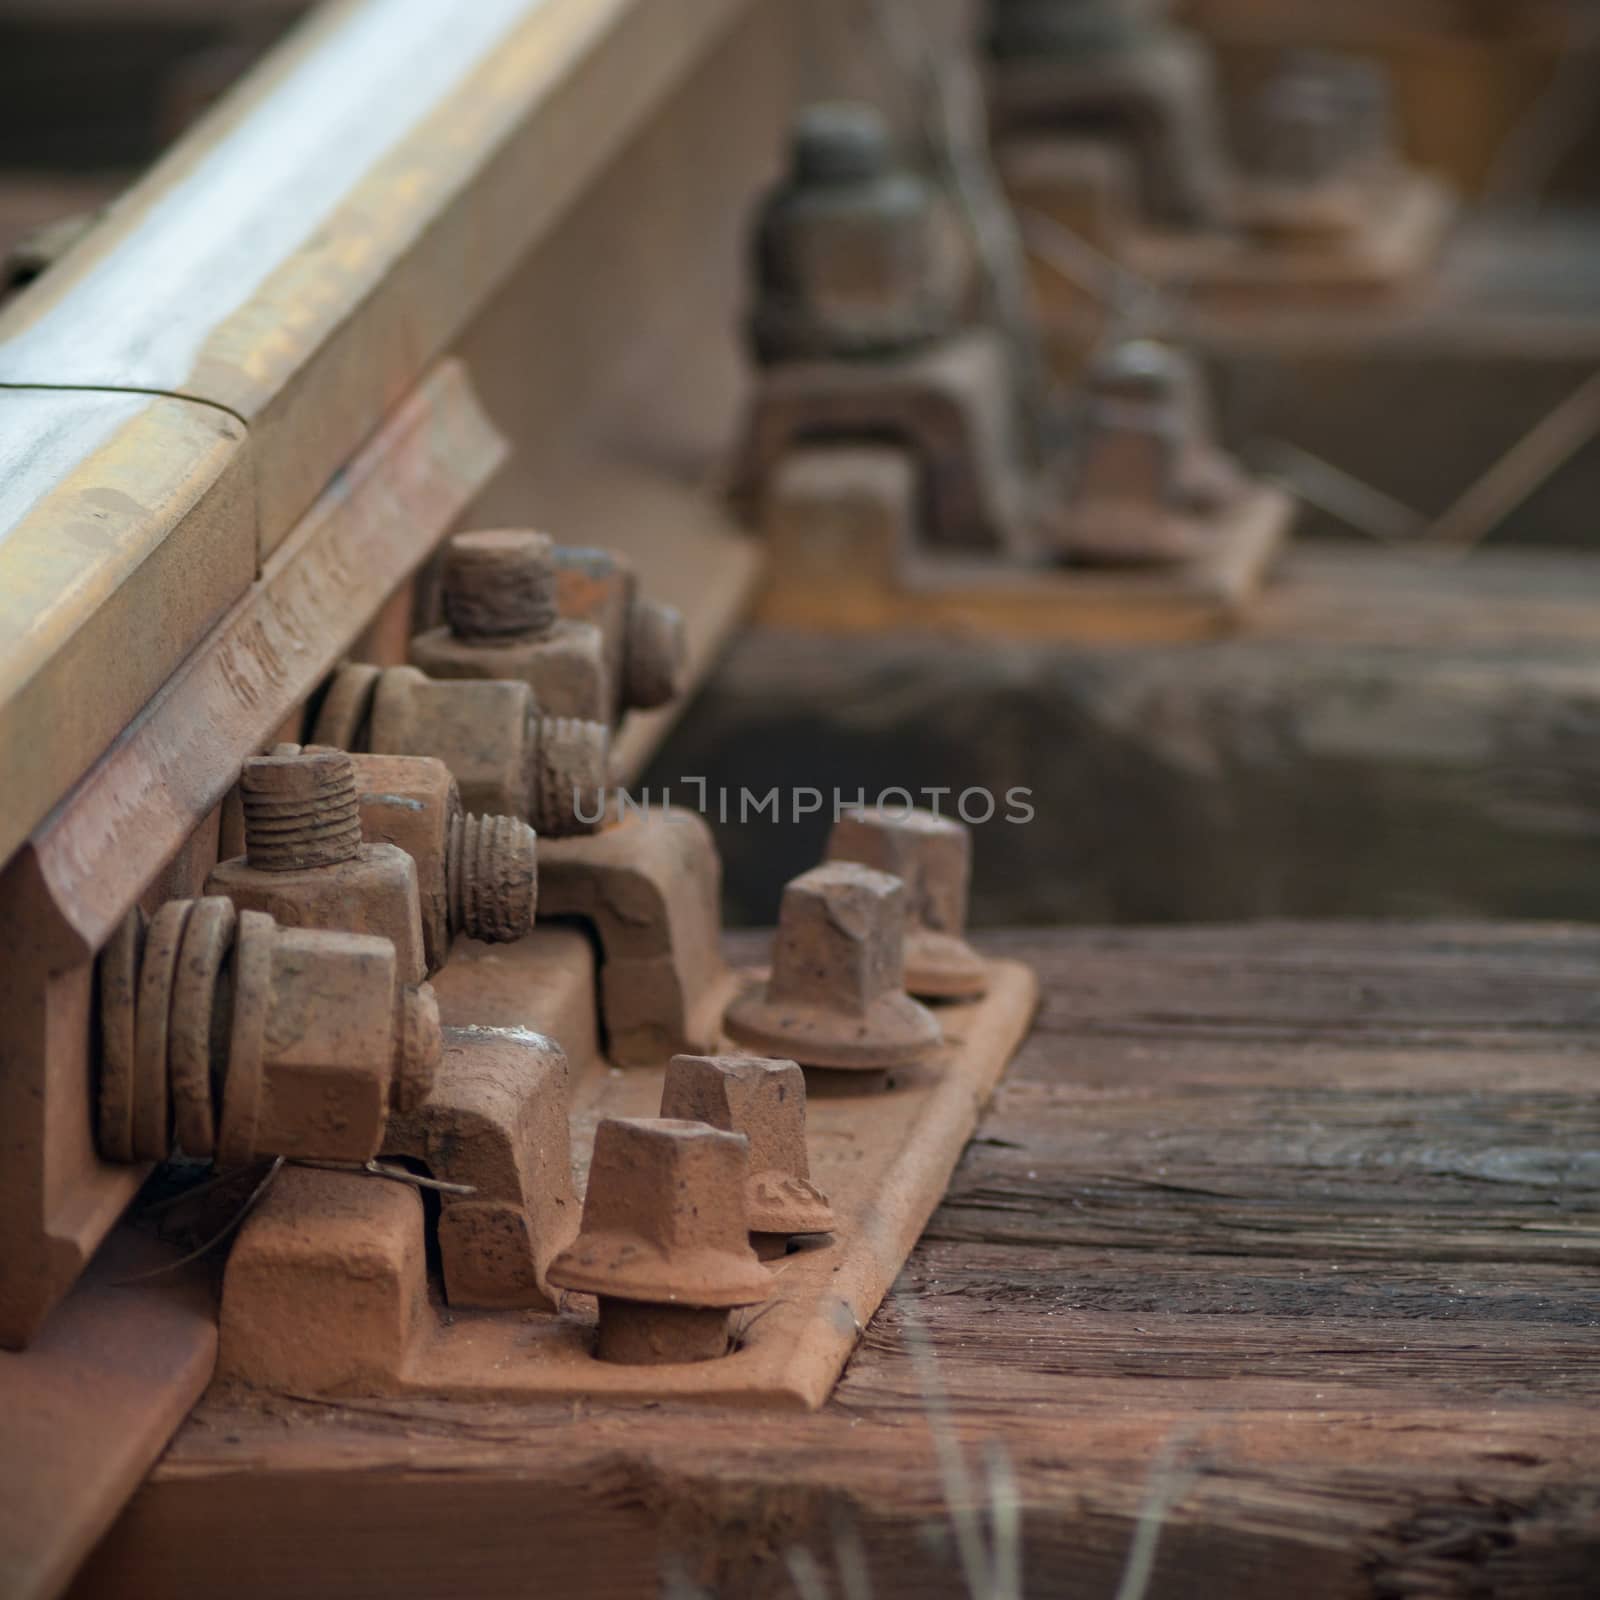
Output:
[[854, 256], [475, 875], [503, 621], [304, 862], [266, 1041], [484, 732], [507, 760]]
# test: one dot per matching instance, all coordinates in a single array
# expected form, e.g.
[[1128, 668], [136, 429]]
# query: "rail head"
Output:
[[181, 387]]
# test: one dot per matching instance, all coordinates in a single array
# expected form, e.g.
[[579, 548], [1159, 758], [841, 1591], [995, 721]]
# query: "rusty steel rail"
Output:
[[177, 392], [364, 299]]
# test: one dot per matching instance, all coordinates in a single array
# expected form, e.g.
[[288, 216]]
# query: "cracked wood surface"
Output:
[[1295, 1226]]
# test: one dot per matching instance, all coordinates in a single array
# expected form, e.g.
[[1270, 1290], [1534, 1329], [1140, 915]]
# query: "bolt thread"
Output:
[[500, 584], [492, 877], [419, 1048], [300, 811], [571, 769], [656, 655], [839, 143]]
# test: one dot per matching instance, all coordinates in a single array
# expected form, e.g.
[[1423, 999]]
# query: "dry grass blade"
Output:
[[676, 1584], [1133, 304], [1357, 504], [958, 1491], [1005, 1526], [805, 1572], [1167, 1484], [1555, 121], [1551, 442], [850, 1558]]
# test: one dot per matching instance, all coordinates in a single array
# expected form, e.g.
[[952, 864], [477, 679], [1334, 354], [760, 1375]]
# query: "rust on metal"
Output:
[[1106, 70], [476, 875], [305, 864], [664, 1243], [988, 505], [854, 255], [506, 758], [647, 658], [1145, 484], [152, 1122], [263, 1040], [836, 994], [326, 1286], [883, 1160], [118, 984], [650, 885], [195, 1023], [766, 1102], [503, 620], [496, 1123], [932, 856]]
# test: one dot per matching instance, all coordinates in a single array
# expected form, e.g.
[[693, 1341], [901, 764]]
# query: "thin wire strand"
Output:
[[216, 1239], [381, 1169], [1355, 502]]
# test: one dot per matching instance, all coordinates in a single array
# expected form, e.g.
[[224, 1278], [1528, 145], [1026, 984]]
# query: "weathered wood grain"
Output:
[[1297, 1223], [1384, 737]]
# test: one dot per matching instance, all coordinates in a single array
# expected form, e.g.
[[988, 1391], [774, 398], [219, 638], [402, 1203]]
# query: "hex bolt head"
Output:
[[665, 1232], [505, 757], [932, 856], [498, 583], [765, 1100], [265, 1040], [343, 1041], [836, 996]]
